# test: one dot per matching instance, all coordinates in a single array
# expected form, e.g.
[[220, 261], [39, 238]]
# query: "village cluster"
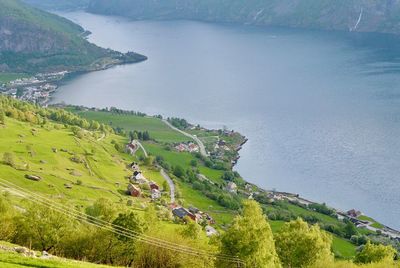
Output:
[[36, 89], [351, 215], [137, 185]]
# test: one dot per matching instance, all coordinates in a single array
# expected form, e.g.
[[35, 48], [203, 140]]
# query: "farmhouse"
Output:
[[154, 186], [133, 190], [231, 187], [155, 194], [182, 213], [138, 178]]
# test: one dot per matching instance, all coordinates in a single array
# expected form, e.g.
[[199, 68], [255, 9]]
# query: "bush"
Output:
[[9, 159]]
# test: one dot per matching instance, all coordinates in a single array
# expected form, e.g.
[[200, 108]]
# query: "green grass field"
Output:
[[157, 129], [102, 169], [7, 77], [374, 222]]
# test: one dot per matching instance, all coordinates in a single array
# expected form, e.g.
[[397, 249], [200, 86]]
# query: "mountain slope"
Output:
[[58, 4], [32, 41], [358, 15]]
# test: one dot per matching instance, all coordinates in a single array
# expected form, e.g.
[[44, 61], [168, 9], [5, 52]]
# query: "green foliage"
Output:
[[2, 117], [157, 257], [250, 238], [129, 221], [41, 227], [371, 253], [299, 245], [102, 209], [179, 171], [192, 230]]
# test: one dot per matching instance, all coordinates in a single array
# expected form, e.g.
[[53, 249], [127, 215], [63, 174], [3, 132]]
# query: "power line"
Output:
[[115, 228]]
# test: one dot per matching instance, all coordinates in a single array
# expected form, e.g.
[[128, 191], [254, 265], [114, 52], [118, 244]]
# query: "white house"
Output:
[[155, 194], [139, 178], [231, 187]]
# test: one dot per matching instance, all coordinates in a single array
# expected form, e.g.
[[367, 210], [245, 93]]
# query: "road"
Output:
[[141, 147], [170, 183], [163, 173], [203, 151]]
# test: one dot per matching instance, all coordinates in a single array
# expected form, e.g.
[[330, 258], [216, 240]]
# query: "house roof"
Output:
[[180, 212]]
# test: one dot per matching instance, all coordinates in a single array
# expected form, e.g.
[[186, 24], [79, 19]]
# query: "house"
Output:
[[134, 166], [182, 213], [181, 147], [221, 143], [139, 178], [353, 213], [210, 231], [194, 210], [231, 187], [153, 186], [131, 148], [193, 147], [133, 190], [155, 194]]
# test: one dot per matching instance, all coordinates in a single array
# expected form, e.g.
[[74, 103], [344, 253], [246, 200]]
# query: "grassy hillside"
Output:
[[188, 193], [34, 41], [377, 16], [11, 259]]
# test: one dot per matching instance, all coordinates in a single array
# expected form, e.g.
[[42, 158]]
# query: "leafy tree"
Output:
[[102, 209], [250, 239], [193, 163], [375, 253], [129, 221], [301, 245], [350, 229], [192, 230], [179, 171], [158, 257], [42, 227], [2, 117]]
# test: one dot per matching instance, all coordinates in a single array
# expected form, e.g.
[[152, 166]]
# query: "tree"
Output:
[[301, 245], [192, 230], [193, 163], [129, 221], [102, 209], [350, 230], [2, 117], [9, 159], [375, 253], [43, 227], [250, 239], [179, 171]]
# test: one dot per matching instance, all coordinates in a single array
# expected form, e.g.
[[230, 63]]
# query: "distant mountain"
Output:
[[345, 15], [33, 41], [58, 4]]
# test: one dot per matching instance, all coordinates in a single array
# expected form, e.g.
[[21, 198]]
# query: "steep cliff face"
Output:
[[354, 15]]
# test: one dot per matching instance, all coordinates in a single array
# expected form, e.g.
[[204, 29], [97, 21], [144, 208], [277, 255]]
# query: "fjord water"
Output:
[[321, 109]]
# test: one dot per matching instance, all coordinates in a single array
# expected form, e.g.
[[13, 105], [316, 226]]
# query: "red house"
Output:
[[133, 190], [154, 185]]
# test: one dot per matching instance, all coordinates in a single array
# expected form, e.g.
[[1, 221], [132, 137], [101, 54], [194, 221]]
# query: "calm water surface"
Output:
[[321, 110]]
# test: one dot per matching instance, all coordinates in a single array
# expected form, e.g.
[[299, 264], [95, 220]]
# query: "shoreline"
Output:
[[51, 82]]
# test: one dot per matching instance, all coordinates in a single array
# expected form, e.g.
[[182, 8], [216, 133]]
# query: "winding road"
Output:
[[170, 183], [163, 174], [203, 151]]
